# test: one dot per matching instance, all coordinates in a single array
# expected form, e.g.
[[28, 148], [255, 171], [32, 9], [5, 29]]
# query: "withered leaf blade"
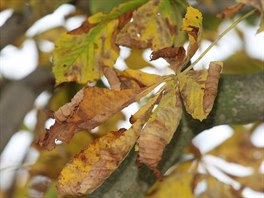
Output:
[[92, 166], [199, 88], [230, 11], [89, 108], [160, 128], [153, 25]]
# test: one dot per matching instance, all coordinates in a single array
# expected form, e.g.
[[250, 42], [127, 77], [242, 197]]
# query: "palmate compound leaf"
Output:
[[153, 25], [160, 127], [79, 55], [199, 88], [90, 107], [91, 167]]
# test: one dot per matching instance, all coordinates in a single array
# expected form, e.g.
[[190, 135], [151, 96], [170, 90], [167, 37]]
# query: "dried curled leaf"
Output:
[[230, 11], [258, 4], [198, 90], [153, 25], [160, 128], [89, 108], [91, 167]]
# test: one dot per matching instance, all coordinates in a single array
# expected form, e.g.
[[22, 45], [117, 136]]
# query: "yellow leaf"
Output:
[[92, 166], [136, 60], [160, 127], [141, 77], [177, 184], [192, 24], [198, 90], [153, 25]]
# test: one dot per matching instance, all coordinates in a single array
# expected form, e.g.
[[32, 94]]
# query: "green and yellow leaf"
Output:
[[79, 55]]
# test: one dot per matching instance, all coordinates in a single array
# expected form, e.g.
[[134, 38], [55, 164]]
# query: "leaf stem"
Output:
[[218, 38]]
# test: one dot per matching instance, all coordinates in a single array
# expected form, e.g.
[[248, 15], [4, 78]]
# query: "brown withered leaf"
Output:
[[258, 4], [90, 107], [91, 167], [153, 25], [175, 56], [168, 52], [112, 78], [160, 128], [199, 88], [230, 11]]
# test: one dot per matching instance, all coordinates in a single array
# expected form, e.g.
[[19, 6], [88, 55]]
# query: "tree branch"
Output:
[[17, 99], [240, 100]]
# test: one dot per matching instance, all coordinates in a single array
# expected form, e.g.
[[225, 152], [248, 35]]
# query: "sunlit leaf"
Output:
[[199, 88], [153, 25], [160, 127]]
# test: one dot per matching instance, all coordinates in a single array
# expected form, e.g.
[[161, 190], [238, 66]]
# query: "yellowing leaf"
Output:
[[92, 166], [153, 25], [136, 60], [80, 58], [80, 54], [160, 127], [192, 24], [198, 90], [142, 78], [177, 184]]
